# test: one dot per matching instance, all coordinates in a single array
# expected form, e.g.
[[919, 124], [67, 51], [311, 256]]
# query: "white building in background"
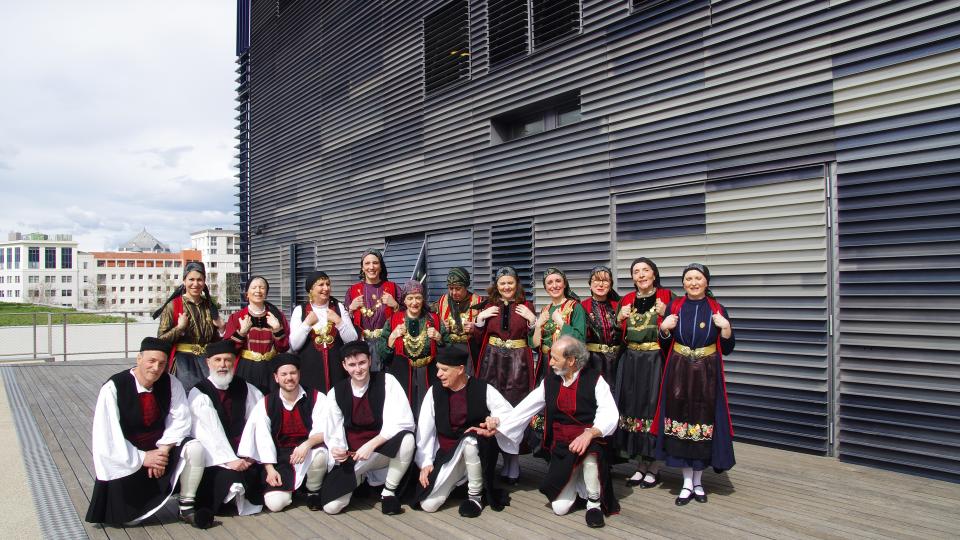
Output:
[[220, 252], [40, 269]]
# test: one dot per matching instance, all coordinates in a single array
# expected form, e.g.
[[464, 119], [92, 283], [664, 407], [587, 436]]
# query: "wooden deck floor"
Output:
[[769, 494]]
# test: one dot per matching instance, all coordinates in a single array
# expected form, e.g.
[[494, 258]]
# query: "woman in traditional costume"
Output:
[[372, 301], [190, 320], [640, 370], [260, 332], [408, 344], [506, 358], [604, 336], [563, 316], [320, 328], [695, 429]]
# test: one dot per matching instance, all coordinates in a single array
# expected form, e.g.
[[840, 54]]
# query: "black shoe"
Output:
[[200, 518], [634, 483], [595, 518], [647, 485], [390, 506], [681, 500], [470, 508], [313, 501], [700, 498], [506, 480]]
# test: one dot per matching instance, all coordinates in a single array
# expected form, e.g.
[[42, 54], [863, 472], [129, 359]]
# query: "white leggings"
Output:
[[589, 474], [278, 500], [396, 468], [470, 465]]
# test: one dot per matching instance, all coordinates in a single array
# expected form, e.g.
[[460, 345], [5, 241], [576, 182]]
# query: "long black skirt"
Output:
[[125, 499], [636, 393]]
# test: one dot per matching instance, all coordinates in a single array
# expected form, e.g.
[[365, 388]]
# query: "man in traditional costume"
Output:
[[448, 453], [369, 427], [372, 301], [141, 429], [458, 310], [220, 406], [580, 416], [285, 433]]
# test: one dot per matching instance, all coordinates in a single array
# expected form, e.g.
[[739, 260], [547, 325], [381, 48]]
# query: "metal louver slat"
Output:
[[446, 250], [511, 244], [507, 29], [446, 55], [401, 256], [554, 19], [766, 243]]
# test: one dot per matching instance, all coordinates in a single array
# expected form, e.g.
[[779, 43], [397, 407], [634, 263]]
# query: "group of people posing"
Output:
[[343, 396]]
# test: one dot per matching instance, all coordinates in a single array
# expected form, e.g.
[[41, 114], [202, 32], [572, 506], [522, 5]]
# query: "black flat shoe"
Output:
[[390, 506], [470, 509], [647, 485], [313, 501], [700, 498], [506, 480], [634, 483], [681, 500], [595, 518]]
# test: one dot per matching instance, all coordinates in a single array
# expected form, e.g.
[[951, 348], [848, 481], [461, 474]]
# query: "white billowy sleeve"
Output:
[[513, 423], [346, 329], [208, 429], [113, 455], [499, 407], [608, 416], [426, 432], [298, 329], [318, 415], [334, 435], [397, 414], [179, 421], [257, 442]]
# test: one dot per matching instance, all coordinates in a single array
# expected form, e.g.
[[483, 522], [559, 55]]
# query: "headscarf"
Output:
[[379, 255], [192, 266], [270, 307], [599, 269], [506, 271], [412, 286], [458, 275], [652, 265], [703, 270], [312, 280], [493, 294], [567, 293]]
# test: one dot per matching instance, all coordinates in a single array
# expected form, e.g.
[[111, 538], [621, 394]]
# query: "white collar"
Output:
[[573, 379], [300, 394]]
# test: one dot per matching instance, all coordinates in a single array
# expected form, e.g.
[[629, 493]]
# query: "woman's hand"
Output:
[[246, 323], [720, 322], [311, 320], [333, 316], [525, 312], [274, 322], [625, 312], [356, 303], [491, 311], [669, 323], [660, 307], [433, 334], [388, 300]]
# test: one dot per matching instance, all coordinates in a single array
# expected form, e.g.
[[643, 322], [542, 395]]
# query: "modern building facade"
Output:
[[138, 281], [40, 269], [807, 151]]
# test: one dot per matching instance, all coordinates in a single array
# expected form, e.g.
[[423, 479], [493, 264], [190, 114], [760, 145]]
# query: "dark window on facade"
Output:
[[16, 261], [33, 257], [536, 118], [508, 26], [511, 244], [282, 5], [446, 55], [50, 257], [66, 258], [554, 19]]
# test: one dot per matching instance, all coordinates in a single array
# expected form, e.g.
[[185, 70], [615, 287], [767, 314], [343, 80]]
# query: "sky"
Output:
[[117, 115]]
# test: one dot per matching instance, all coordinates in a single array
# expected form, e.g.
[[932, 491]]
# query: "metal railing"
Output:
[[62, 335]]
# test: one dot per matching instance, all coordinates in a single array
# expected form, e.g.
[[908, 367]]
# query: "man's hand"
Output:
[[364, 452], [582, 442], [339, 454], [299, 454], [239, 465], [425, 475], [481, 431], [273, 476], [156, 459]]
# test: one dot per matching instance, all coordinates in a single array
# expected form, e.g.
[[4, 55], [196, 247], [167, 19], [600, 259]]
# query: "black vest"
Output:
[[233, 421], [274, 407], [376, 393], [128, 403], [586, 401], [477, 410]]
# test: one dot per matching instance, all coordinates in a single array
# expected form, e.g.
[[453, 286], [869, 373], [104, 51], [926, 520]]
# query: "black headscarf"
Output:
[[192, 266], [567, 293], [270, 307], [612, 295], [383, 265], [702, 268], [642, 304], [312, 280]]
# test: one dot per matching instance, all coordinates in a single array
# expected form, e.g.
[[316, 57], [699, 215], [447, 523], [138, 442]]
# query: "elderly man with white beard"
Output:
[[221, 404], [580, 416]]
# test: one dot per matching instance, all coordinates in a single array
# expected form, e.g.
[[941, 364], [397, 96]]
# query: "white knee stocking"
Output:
[[591, 480], [277, 500], [471, 458], [398, 465], [317, 471], [192, 457]]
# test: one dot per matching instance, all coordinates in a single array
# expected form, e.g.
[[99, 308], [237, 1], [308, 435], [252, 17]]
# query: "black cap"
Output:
[[452, 355], [285, 359], [150, 343], [221, 347], [354, 348]]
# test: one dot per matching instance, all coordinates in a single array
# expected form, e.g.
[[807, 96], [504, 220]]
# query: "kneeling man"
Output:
[[449, 451], [141, 429], [580, 414], [369, 429], [284, 433], [221, 405]]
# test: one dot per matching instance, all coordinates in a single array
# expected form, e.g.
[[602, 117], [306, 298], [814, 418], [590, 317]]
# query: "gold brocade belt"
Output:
[[645, 346], [507, 344], [420, 362], [373, 333], [459, 338], [602, 348], [247, 354], [192, 348], [696, 353], [544, 349]]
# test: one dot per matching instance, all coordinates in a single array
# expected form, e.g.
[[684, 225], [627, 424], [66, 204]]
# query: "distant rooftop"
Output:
[[144, 242], [14, 236]]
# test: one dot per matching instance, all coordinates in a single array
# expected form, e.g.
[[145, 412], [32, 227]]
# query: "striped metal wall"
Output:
[[347, 151]]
